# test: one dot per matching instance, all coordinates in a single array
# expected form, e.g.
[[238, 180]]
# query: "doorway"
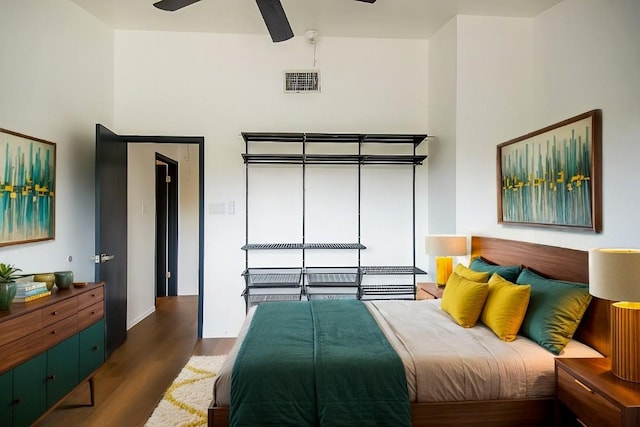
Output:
[[166, 226], [111, 224]]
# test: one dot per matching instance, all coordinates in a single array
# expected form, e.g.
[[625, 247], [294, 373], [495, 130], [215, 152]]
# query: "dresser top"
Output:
[[57, 295]]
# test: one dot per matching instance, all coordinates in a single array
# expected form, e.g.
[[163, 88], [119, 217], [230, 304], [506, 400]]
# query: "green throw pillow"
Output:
[[555, 310], [509, 272]]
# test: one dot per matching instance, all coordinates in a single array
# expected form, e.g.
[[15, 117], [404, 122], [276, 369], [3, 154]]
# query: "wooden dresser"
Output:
[[48, 347]]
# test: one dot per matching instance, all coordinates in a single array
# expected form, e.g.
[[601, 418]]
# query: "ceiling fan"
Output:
[[271, 10]]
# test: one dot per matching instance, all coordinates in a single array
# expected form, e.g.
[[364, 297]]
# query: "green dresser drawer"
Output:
[[91, 349], [62, 369], [29, 391], [6, 399]]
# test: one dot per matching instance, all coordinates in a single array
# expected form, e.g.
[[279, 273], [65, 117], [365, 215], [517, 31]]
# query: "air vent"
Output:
[[301, 81]]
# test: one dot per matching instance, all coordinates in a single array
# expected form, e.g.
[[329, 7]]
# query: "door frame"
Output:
[[196, 140]]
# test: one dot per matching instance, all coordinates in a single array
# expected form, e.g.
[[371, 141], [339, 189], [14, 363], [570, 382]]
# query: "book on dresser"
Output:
[[36, 296], [30, 287], [30, 291]]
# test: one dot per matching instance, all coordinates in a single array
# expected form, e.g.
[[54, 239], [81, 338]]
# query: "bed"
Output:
[[503, 406]]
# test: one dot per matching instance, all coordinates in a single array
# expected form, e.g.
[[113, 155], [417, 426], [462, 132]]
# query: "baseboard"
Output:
[[140, 318]]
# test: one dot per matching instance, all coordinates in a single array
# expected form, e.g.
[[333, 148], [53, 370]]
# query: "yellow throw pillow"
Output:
[[505, 307], [463, 299], [474, 276]]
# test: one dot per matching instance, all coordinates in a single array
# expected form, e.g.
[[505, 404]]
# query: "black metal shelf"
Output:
[[395, 270], [279, 246], [325, 277], [333, 159], [387, 289], [365, 138]]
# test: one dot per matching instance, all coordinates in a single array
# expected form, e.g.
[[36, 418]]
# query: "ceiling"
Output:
[[338, 18]]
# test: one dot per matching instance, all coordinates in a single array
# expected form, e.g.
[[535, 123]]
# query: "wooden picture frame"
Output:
[[27, 188], [551, 177]]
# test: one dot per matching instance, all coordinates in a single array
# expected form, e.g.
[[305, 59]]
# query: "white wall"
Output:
[[516, 75], [481, 67], [56, 83], [141, 225], [586, 56], [443, 90], [220, 85], [494, 105], [189, 218]]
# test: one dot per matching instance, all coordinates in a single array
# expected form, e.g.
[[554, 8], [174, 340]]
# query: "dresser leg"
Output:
[[92, 391]]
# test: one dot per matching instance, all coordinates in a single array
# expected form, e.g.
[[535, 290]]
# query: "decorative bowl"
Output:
[[48, 278], [64, 279]]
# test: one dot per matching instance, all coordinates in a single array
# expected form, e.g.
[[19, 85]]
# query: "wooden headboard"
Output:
[[555, 263]]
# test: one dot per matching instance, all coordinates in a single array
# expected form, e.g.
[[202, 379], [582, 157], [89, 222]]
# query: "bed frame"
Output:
[[549, 261]]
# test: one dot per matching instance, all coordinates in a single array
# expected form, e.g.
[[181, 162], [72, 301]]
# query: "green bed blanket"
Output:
[[318, 363]]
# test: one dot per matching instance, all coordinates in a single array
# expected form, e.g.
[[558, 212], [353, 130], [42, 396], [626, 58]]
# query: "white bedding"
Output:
[[445, 362]]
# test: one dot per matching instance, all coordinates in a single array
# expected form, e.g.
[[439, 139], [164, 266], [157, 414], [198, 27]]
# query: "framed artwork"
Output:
[[27, 188], [551, 177]]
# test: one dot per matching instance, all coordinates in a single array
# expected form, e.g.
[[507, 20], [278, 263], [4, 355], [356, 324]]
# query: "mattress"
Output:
[[445, 362]]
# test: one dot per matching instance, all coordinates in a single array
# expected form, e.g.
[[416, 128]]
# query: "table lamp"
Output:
[[444, 247], [614, 274]]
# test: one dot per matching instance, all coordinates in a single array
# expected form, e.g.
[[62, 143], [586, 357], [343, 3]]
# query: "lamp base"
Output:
[[444, 267], [625, 346]]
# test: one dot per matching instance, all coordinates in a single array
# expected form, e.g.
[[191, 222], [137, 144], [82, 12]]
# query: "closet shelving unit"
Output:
[[293, 278]]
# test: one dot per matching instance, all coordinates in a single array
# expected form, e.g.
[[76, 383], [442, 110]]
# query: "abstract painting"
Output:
[[551, 177], [27, 188]]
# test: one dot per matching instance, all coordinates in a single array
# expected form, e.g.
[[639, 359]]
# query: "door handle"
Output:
[[103, 258]]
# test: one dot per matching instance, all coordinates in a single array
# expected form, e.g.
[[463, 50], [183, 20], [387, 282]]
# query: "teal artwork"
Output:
[[551, 177], [27, 188]]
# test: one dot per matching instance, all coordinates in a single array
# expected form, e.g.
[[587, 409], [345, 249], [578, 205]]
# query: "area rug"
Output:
[[186, 401]]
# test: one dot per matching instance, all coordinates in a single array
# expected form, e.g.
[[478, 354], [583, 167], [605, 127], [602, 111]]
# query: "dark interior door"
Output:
[[111, 232], [161, 230], [172, 227], [111, 224], [166, 226]]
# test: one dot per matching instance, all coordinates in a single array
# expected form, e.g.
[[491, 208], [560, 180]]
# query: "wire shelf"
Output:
[[334, 159], [266, 246], [391, 270], [333, 276], [415, 139], [387, 289], [273, 277]]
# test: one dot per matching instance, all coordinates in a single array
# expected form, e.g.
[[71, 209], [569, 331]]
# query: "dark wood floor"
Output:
[[131, 382]]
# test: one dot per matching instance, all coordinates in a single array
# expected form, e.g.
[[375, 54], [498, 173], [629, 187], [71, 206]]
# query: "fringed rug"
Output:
[[186, 401]]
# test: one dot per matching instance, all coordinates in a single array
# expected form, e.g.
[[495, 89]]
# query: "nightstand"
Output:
[[429, 290], [588, 394]]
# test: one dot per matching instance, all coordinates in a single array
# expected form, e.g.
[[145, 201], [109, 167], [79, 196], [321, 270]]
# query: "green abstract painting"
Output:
[[551, 177], [27, 188]]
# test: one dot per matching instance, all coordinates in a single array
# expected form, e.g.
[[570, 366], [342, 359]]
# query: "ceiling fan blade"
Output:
[[276, 20], [173, 5], [367, 1]]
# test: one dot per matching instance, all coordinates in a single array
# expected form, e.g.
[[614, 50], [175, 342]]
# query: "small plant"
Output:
[[8, 273]]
